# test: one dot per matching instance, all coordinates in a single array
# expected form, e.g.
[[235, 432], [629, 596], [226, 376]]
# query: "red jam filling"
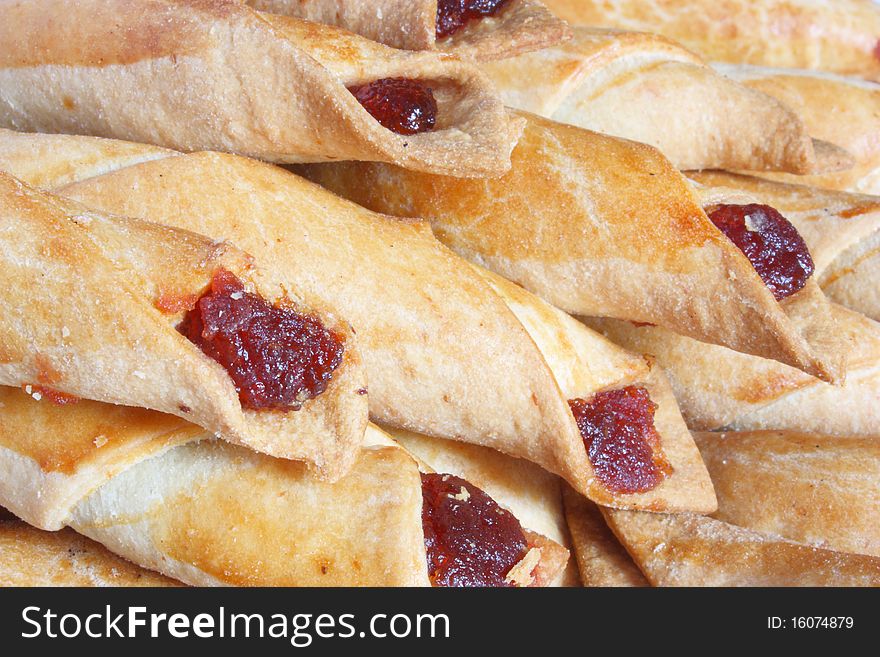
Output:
[[773, 246], [471, 541], [404, 106], [452, 15], [618, 430], [877, 49], [276, 357]]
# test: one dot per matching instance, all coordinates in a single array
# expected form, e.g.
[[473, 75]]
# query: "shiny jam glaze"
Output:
[[401, 105], [773, 246], [276, 357], [452, 15], [471, 541], [618, 430]]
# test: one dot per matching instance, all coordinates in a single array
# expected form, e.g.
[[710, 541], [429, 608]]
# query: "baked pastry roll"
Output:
[[794, 510], [528, 492], [842, 110], [601, 559], [647, 88], [197, 75], [842, 231], [839, 36], [810, 488], [717, 387], [639, 453], [481, 29], [169, 497], [602, 226], [128, 312], [30, 557], [415, 308]]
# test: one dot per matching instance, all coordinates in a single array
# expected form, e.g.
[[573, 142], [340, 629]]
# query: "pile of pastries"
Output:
[[440, 293]]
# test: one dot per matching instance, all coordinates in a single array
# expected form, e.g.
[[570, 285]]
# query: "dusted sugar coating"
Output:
[[404, 106], [471, 541], [773, 246], [276, 357], [618, 430], [452, 15]]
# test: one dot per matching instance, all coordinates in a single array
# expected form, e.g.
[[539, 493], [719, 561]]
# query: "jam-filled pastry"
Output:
[[794, 510], [128, 312], [414, 306], [842, 231], [844, 111], [169, 497], [717, 387], [649, 89], [525, 490], [603, 226], [31, 557], [634, 450], [601, 559], [840, 36], [815, 489], [481, 29], [199, 75]]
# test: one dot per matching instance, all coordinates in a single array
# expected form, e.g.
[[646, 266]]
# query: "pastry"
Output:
[[841, 110], [691, 550], [841, 230], [601, 559], [839, 36], [794, 510], [215, 74], [482, 29], [647, 88], [814, 489], [128, 312], [30, 557], [601, 226], [167, 496], [717, 387], [370, 262]]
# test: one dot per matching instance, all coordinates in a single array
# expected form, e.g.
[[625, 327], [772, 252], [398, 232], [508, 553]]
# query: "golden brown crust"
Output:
[[842, 231], [81, 317], [415, 306], [691, 550], [717, 387], [214, 74], [583, 363], [809, 488], [223, 515], [520, 26], [30, 557], [612, 229], [647, 88], [839, 36], [601, 559], [851, 280], [842, 110]]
